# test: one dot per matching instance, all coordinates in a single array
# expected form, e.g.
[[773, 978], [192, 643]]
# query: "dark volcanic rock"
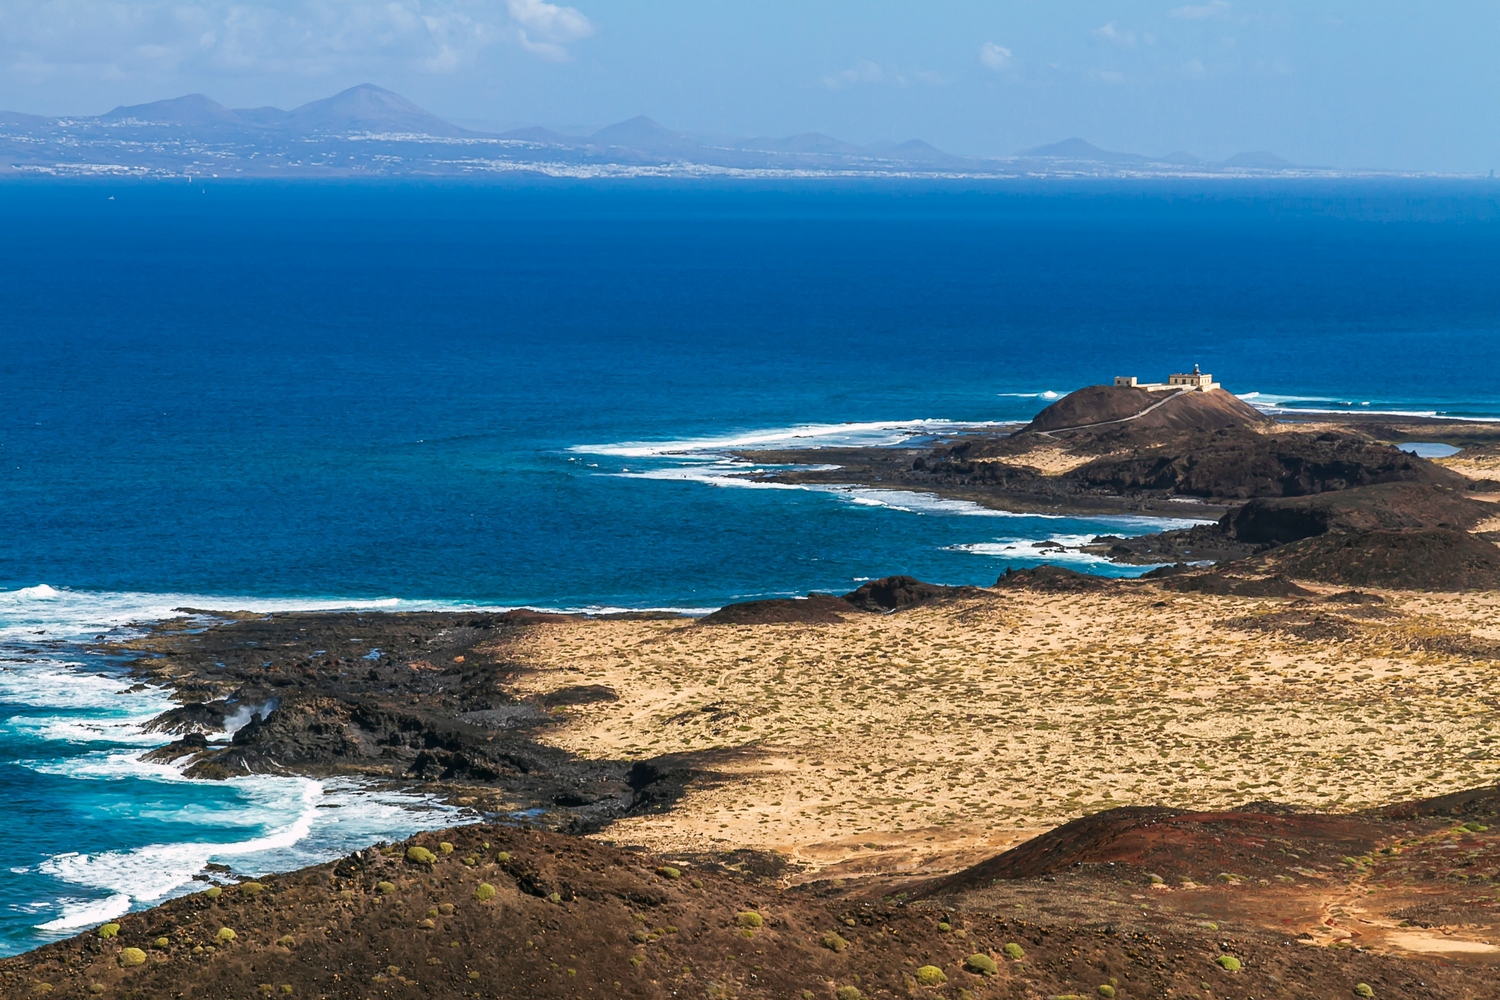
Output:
[[1244, 464], [1274, 521], [892, 593], [192, 718], [1054, 579], [1411, 559], [812, 609]]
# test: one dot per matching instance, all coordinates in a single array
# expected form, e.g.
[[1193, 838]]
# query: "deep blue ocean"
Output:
[[310, 395]]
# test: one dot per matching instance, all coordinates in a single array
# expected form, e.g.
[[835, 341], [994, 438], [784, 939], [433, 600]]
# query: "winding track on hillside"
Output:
[[1119, 420]]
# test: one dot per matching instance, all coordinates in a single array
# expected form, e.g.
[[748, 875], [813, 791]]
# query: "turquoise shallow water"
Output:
[[268, 396]]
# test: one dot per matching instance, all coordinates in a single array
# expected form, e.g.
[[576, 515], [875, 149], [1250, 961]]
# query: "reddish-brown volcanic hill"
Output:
[[1107, 407], [1178, 845]]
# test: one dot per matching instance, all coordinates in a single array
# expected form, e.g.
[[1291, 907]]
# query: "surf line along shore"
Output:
[[820, 814], [906, 731]]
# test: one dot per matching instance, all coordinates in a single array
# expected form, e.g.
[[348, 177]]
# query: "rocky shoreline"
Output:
[[418, 700]]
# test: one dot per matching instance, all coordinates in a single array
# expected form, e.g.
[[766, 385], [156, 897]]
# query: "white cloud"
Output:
[[132, 39], [994, 56], [1114, 34], [1194, 69], [545, 29], [1200, 12]]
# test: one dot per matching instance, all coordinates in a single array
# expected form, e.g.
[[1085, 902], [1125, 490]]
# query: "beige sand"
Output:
[[921, 739]]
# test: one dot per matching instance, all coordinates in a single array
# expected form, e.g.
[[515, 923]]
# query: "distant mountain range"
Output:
[[367, 131]]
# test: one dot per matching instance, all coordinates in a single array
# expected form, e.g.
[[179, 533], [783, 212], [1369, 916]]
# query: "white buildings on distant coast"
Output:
[[1194, 381]]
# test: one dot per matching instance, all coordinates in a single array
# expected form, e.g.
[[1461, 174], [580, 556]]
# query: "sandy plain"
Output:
[[929, 738]]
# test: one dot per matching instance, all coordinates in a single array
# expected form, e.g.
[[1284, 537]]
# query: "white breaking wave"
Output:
[[310, 822], [848, 435], [1058, 549]]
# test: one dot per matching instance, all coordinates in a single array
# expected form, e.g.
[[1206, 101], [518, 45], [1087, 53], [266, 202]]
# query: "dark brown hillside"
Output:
[[1239, 465], [1276, 520], [1099, 409], [1409, 559], [1096, 908]]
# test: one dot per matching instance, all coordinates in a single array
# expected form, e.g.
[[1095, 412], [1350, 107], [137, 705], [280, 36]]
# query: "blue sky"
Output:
[[1373, 83]]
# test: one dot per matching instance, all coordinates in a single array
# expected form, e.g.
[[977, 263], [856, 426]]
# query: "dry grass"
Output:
[[919, 739]]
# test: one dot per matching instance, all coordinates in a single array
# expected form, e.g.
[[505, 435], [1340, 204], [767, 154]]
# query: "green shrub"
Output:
[[667, 871], [109, 930], [850, 922], [1363, 990], [446, 909], [214, 892], [944, 927], [385, 887], [833, 942], [484, 892], [503, 857], [445, 847], [472, 860], [420, 855], [1013, 952], [251, 888], [848, 993], [931, 975], [96, 988], [749, 919], [554, 897], [132, 956], [286, 940], [982, 964], [161, 942], [426, 923], [226, 935], [1106, 991], [1229, 963]]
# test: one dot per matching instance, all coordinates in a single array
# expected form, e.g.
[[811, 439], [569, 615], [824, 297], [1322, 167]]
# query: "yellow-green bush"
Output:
[[214, 892], [931, 975], [132, 956], [446, 909], [1229, 963], [982, 964], [286, 940], [833, 942], [848, 993], [484, 892], [749, 919], [1013, 952], [161, 942], [445, 847], [1363, 990], [385, 887], [1106, 991], [503, 857], [420, 855], [226, 935], [109, 930], [667, 871], [251, 888]]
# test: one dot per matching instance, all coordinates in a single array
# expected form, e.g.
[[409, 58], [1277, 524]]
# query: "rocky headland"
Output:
[[1265, 770]]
